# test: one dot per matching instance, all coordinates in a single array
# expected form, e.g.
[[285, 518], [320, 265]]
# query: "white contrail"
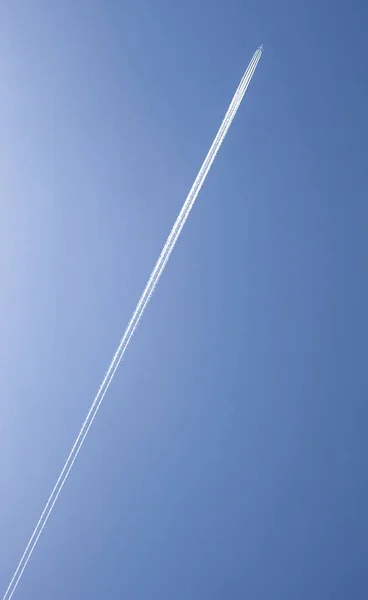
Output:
[[136, 317]]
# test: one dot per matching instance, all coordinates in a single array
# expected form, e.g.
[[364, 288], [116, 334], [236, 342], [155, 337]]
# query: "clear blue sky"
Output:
[[230, 457]]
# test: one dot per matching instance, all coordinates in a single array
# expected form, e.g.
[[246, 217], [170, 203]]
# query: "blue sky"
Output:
[[229, 459]]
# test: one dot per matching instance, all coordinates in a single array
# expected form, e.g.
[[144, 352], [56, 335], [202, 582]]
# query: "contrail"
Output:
[[134, 320]]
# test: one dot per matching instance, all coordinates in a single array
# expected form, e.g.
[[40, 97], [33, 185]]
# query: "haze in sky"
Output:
[[229, 458]]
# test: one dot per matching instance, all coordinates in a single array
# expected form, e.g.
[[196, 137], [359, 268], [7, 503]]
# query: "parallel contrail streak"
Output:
[[134, 321]]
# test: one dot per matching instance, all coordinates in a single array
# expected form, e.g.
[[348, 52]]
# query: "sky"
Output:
[[229, 459]]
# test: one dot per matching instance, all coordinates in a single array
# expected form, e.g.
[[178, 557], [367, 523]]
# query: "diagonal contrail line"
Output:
[[134, 321]]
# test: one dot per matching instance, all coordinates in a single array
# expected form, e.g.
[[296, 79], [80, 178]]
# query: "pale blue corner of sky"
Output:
[[229, 459]]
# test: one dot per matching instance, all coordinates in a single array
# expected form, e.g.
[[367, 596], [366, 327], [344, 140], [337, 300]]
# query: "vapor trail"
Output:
[[134, 321]]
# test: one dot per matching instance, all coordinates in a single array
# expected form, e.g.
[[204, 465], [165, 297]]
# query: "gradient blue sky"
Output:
[[230, 457]]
